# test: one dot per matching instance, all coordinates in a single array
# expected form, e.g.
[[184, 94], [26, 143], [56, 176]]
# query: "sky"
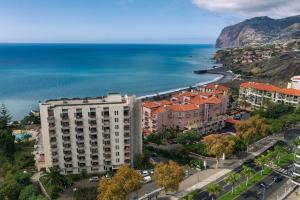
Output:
[[130, 21]]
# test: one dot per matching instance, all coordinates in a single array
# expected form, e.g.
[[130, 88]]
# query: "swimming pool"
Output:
[[22, 136]]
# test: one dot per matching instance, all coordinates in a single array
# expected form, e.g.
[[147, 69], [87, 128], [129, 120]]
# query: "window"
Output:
[[117, 140], [117, 153], [118, 160], [116, 133], [116, 119], [116, 112], [117, 147], [116, 126]]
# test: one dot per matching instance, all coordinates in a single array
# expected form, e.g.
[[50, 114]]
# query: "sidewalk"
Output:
[[205, 178]]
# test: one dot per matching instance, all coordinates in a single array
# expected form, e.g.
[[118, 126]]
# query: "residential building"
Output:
[[295, 83], [91, 134], [296, 171], [201, 109], [258, 95]]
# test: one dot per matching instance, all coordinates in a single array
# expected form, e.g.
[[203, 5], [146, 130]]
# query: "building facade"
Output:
[[294, 83], [258, 95], [201, 109], [91, 134]]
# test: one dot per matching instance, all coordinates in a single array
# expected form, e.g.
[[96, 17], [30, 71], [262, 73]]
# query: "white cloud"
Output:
[[272, 8]]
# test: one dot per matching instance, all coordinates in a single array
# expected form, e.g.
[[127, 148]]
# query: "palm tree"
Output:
[[213, 189], [53, 177], [261, 162], [247, 171], [232, 179]]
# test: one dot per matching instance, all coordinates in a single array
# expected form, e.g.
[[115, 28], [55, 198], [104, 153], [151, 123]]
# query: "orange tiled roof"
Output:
[[183, 107], [260, 86], [216, 87], [158, 110], [150, 104], [290, 91], [203, 100], [186, 94], [165, 102], [232, 121]]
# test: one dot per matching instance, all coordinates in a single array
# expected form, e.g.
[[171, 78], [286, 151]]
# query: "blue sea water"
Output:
[[30, 73]]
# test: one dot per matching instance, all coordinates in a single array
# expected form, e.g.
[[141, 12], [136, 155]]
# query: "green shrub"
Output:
[[198, 148], [27, 192]]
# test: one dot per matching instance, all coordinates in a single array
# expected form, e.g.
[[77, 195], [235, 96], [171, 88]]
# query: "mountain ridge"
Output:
[[259, 31]]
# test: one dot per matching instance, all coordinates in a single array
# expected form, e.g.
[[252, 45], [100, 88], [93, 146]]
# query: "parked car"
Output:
[[277, 179], [147, 179], [94, 179], [145, 173]]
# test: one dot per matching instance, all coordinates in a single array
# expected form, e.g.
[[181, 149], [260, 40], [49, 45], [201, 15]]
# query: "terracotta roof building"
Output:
[[256, 95], [198, 109]]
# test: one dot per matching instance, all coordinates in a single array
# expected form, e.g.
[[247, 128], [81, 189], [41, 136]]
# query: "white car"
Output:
[[94, 179], [145, 173], [147, 179]]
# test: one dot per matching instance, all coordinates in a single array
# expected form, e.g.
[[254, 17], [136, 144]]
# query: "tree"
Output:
[[219, 144], [126, 180], [10, 190], [5, 117], [232, 179], [28, 192], [168, 175], [213, 189], [188, 137], [250, 129], [22, 178], [247, 171], [198, 164], [7, 143], [279, 150], [53, 177], [261, 162]]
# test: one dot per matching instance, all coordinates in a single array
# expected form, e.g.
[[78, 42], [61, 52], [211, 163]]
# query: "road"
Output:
[[204, 195], [258, 192]]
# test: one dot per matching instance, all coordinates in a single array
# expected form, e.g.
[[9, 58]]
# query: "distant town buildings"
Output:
[[258, 95], [91, 134], [203, 109]]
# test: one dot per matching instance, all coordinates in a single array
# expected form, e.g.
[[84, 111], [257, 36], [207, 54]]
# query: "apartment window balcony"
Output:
[[127, 141], [68, 157], [92, 114], [93, 122], [126, 128], [127, 149], [81, 164], [78, 115], [93, 129], [67, 152], [105, 114], [106, 139], [94, 150], [107, 150], [93, 144], [64, 116], [80, 144], [53, 143], [54, 156], [80, 151], [126, 121], [51, 119], [127, 161], [94, 157], [51, 125], [66, 138], [80, 137], [54, 160], [93, 163], [108, 159], [126, 134], [127, 154], [107, 162], [79, 130], [68, 165], [106, 135], [79, 123], [106, 145], [93, 137], [126, 111], [53, 146], [52, 132], [67, 144], [65, 124]]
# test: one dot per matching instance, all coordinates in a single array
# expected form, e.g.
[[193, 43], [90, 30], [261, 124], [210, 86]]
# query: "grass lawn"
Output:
[[286, 159], [243, 188]]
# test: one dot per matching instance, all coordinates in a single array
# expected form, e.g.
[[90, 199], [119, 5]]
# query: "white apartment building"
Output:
[[295, 83], [91, 134]]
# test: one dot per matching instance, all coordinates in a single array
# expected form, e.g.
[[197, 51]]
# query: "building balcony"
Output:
[[92, 114], [54, 146], [127, 149], [93, 144], [65, 124], [51, 119], [93, 163], [52, 133], [93, 123], [54, 160], [81, 151], [64, 117], [78, 115]]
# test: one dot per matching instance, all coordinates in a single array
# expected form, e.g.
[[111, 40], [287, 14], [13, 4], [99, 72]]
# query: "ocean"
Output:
[[30, 73]]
